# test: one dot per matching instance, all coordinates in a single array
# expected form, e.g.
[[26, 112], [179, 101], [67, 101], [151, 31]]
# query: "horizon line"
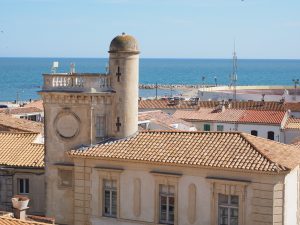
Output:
[[83, 57]]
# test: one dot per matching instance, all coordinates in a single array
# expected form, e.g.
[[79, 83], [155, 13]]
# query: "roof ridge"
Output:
[[186, 131], [244, 135], [16, 132]]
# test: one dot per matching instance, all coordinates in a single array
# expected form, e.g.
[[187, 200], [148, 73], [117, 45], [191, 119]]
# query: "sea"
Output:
[[21, 78]]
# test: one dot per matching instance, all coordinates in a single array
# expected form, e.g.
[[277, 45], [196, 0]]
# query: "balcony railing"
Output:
[[78, 82]]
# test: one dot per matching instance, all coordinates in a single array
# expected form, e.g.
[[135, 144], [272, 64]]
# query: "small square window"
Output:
[[220, 128], [65, 178], [206, 127]]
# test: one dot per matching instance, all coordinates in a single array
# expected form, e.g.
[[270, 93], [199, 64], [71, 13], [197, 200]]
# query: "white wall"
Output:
[[291, 135], [262, 129], [291, 199]]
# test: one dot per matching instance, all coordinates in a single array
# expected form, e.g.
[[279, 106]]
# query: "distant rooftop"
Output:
[[22, 125]]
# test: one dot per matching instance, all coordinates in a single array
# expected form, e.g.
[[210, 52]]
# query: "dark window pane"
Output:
[[26, 185], [21, 185], [254, 132], [271, 135], [234, 199], [114, 203], [223, 199], [107, 202]]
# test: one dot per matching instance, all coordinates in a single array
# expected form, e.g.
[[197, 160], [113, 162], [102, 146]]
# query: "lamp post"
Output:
[[296, 81]]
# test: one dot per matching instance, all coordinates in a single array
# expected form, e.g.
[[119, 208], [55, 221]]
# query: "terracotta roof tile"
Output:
[[21, 124], [292, 123], [232, 115], [21, 110], [208, 114], [161, 118], [203, 149], [37, 104], [19, 150], [4, 220], [255, 105], [265, 117]]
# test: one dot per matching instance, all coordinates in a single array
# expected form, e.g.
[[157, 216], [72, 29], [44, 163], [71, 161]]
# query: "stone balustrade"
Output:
[[78, 82]]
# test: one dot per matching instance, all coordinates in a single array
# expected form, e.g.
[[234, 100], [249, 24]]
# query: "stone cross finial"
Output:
[[118, 74], [118, 124]]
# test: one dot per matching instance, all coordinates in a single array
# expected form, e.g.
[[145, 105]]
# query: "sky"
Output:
[[262, 29]]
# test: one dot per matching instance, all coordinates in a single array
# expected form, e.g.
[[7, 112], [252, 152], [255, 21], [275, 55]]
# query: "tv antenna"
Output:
[[233, 77], [54, 67], [72, 68]]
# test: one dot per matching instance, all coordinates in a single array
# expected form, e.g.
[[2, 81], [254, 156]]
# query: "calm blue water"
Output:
[[23, 75]]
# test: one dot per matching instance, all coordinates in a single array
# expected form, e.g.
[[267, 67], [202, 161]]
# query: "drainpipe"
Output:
[[91, 127]]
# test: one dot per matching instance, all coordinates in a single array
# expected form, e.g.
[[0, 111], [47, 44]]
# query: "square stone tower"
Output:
[[85, 109]]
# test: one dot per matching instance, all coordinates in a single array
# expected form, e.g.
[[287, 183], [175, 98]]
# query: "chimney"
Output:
[[20, 205]]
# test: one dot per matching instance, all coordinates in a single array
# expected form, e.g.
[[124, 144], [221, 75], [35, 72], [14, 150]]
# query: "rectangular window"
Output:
[[206, 127], [110, 198], [228, 209], [23, 185], [100, 126], [220, 128], [166, 204]]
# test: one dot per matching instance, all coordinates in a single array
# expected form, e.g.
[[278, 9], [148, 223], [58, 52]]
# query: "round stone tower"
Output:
[[124, 71]]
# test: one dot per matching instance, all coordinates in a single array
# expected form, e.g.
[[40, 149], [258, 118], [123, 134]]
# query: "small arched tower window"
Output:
[[254, 132], [271, 135]]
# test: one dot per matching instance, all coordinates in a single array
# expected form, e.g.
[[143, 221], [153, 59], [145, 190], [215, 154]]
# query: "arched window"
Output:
[[271, 135], [254, 132]]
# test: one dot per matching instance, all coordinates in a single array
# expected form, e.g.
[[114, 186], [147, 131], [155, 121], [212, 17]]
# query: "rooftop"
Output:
[[198, 149], [20, 150], [4, 220], [162, 118], [36, 104], [21, 110], [232, 115], [259, 105], [17, 124], [292, 123]]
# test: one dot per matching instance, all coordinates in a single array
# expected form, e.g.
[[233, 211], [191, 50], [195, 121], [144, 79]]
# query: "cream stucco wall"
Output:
[[262, 193]]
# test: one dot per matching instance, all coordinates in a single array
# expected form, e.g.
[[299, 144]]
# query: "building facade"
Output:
[[101, 170]]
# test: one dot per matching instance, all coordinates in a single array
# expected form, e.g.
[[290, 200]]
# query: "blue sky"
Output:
[[164, 28]]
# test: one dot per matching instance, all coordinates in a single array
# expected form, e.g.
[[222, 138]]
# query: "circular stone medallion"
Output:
[[67, 124]]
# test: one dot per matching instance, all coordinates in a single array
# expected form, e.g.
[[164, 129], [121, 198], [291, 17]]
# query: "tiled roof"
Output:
[[21, 110], [208, 114], [232, 115], [265, 117], [37, 104], [198, 149], [292, 123], [18, 150], [293, 106], [4, 220], [17, 124], [165, 104], [256, 105], [162, 118]]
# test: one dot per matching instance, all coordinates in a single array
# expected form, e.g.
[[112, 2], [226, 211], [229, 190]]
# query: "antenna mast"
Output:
[[233, 77]]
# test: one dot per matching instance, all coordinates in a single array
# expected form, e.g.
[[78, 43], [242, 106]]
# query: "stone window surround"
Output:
[[108, 174], [61, 167], [166, 179], [227, 187]]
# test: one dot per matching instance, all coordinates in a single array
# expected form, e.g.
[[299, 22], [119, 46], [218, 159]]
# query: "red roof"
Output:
[[266, 117], [232, 115]]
